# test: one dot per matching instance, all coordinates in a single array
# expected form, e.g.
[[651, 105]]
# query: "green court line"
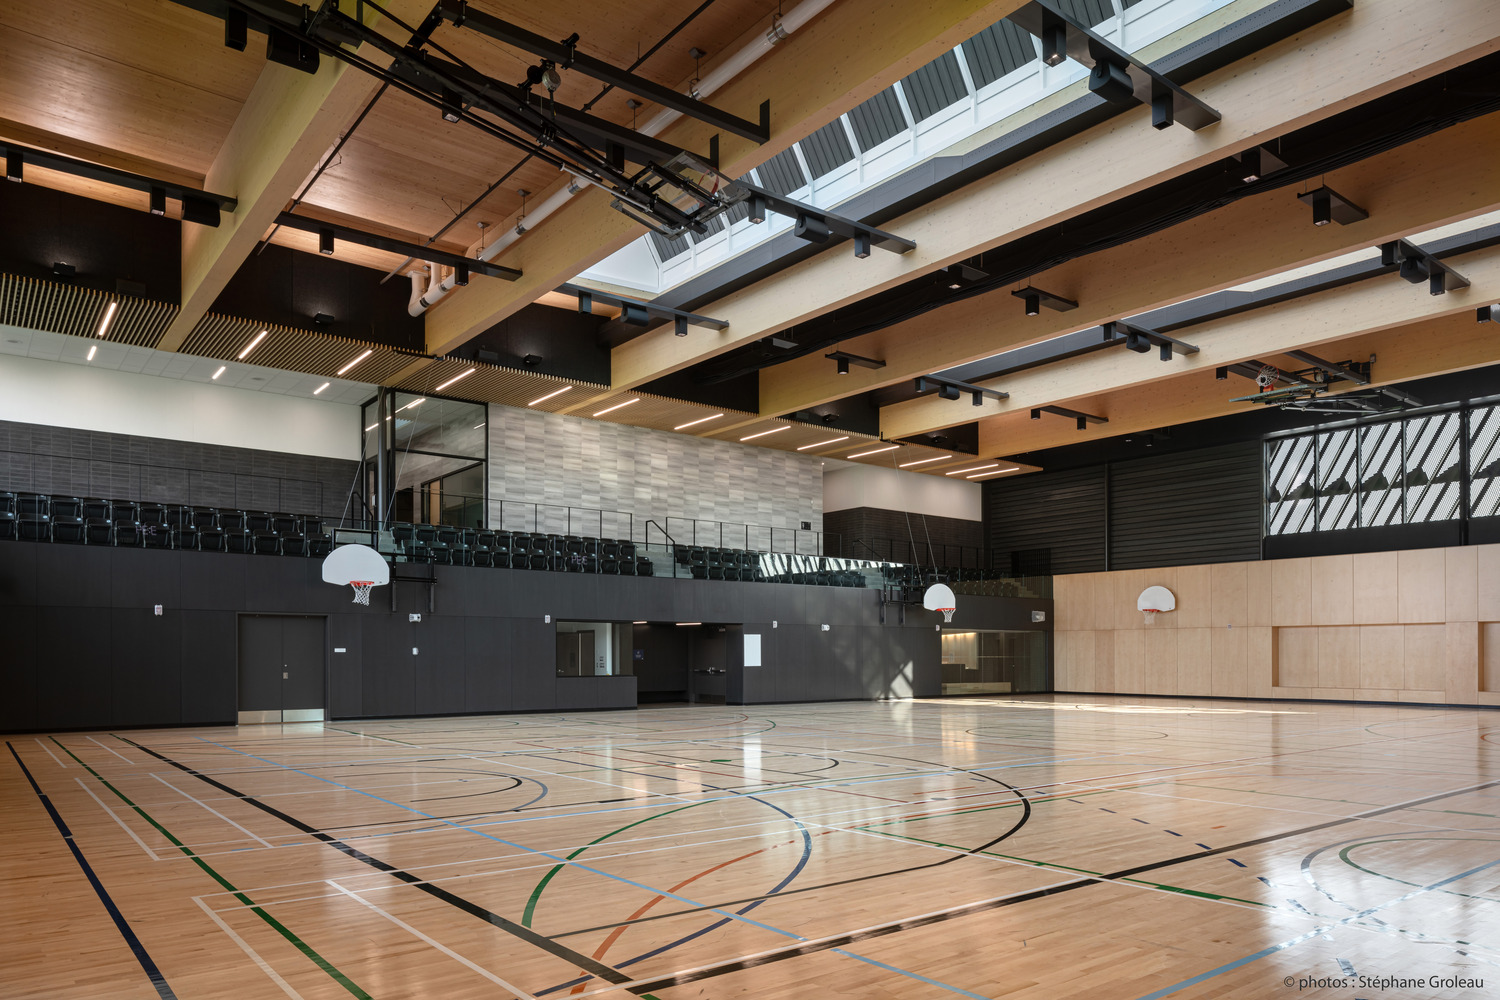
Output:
[[1085, 871], [255, 908]]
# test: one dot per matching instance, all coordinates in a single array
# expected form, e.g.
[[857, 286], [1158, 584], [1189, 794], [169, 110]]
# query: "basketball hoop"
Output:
[[939, 597], [1150, 615], [1153, 601], [359, 566], [947, 613], [1267, 377], [362, 591]]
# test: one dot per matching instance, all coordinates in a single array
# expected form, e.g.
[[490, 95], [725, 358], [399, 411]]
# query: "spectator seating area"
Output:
[[38, 517]]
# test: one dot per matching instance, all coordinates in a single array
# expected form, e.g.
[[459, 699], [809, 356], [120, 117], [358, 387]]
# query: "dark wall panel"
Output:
[[438, 680], [18, 667], [71, 462], [145, 667], [1191, 507], [1063, 512], [208, 667], [72, 667], [487, 664]]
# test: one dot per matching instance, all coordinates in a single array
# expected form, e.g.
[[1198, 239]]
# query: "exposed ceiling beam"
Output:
[[1333, 316], [848, 54], [1340, 63], [1418, 350], [288, 123], [1451, 175]]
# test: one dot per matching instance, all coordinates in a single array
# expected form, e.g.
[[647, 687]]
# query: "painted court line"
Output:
[[434, 943], [110, 749], [149, 852], [211, 809], [254, 956], [50, 753]]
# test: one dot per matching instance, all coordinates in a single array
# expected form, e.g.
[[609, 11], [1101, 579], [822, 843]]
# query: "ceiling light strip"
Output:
[[820, 444], [761, 434], [611, 409], [554, 392], [220, 371], [354, 362], [874, 451], [924, 461], [253, 344], [321, 388], [994, 472], [694, 423], [972, 468], [108, 318], [461, 375]]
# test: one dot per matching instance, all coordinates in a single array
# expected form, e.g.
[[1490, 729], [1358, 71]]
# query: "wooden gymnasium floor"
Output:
[[1039, 847]]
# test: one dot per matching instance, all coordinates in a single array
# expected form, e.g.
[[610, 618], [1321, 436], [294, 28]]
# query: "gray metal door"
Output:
[[281, 669]]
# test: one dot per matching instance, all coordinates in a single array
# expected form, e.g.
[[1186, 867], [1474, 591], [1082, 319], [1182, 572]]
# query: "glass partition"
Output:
[[594, 649], [994, 662], [436, 461]]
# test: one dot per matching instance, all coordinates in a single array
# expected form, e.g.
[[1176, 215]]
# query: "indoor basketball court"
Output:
[[750, 498]]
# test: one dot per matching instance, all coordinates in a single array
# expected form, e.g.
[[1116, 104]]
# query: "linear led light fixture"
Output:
[[685, 624], [252, 345], [1116, 75], [640, 312], [328, 231], [92, 349], [1084, 419], [107, 319], [948, 389], [1416, 264], [1330, 206], [818, 225], [761, 434], [924, 461], [199, 207], [1035, 298], [994, 472], [554, 392], [415, 402], [845, 359], [874, 451], [463, 374], [976, 468], [821, 444], [355, 361], [611, 409], [321, 388], [1141, 339], [219, 372], [695, 423]]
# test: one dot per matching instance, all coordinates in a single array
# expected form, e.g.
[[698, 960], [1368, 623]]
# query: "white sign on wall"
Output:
[[752, 649]]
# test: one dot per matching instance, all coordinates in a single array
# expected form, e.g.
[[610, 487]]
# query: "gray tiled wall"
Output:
[[63, 460], [563, 461]]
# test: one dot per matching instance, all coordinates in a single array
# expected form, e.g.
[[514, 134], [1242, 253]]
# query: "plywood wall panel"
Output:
[[1194, 592], [1130, 661], [1258, 593], [1261, 646], [1332, 590], [1487, 583], [1104, 660], [1291, 592], [1161, 660], [1375, 588], [1230, 662], [1381, 656], [1296, 657], [1338, 656], [1465, 667], [1072, 601], [1195, 661], [1420, 577], [1229, 595], [1425, 657], [1489, 656], [1461, 584]]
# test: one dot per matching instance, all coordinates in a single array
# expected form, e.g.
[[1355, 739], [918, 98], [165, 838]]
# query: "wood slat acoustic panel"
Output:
[[1199, 506], [223, 337], [61, 308]]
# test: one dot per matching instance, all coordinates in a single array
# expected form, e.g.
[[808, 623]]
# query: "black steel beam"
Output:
[[1063, 411], [1170, 103], [640, 305], [1332, 368], [568, 57], [391, 245], [855, 359], [836, 224], [120, 178]]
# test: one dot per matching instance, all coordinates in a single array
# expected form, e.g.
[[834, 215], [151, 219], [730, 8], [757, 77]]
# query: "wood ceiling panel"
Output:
[[148, 78]]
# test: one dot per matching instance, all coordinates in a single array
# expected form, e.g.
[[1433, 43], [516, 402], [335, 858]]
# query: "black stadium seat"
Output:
[[238, 540], [7, 524], [7, 502], [32, 504], [212, 539], [34, 527], [264, 542], [67, 529], [99, 531], [185, 537]]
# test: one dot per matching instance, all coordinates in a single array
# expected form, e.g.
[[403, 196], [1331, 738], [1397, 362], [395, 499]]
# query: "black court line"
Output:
[[152, 972], [524, 933], [854, 937]]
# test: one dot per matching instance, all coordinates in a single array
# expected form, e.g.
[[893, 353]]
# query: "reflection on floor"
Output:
[[1042, 846]]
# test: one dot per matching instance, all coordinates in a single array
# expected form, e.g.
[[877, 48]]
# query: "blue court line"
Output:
[[1315, 932], [946, 986], [554, 857], [152, 972]]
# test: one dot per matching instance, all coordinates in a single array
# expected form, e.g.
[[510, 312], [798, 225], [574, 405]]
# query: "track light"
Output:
[[62, 271], [1111, 81], [757, 209], [977, 398], [1487, 314], [1257, 163], [158, 201], [680, 325], [1329, 206], [635, 314], [452, 106], [1221, 374], [15, 165], [531, 361], [1037, 297], [845, 359], [325, 241], [461, 274], [946, 391], [585, 303], [1054, 41], [236, 29], [861, 245], [843, 364], [812, 229], [322, 319]]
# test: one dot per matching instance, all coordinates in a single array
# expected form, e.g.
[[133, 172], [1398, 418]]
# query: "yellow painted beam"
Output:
[[1444, 178], [846, 55], [290, 120], [1376, 48]]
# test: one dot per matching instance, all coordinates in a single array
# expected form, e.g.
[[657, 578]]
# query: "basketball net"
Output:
[[362, 591], [1150, 615], [947, 613]]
